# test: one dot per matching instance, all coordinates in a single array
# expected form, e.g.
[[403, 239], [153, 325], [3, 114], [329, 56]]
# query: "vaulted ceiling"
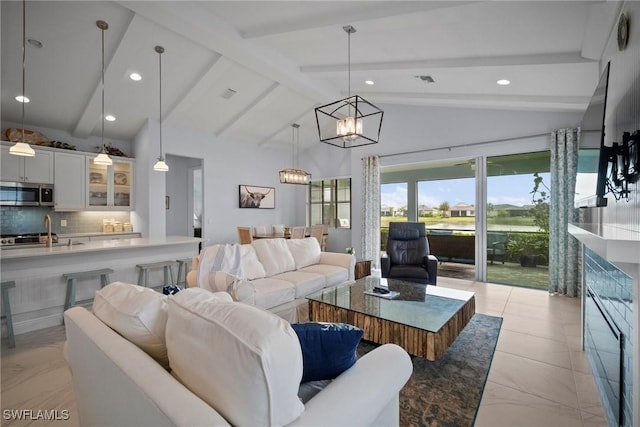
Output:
[[282, 59]]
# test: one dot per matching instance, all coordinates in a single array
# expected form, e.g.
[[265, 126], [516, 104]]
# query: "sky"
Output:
[[511, 189]]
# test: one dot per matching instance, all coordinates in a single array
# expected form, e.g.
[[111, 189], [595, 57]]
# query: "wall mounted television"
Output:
[[593, 154]]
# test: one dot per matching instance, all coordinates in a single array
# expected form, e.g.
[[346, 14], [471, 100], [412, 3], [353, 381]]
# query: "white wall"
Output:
[[227, 164]]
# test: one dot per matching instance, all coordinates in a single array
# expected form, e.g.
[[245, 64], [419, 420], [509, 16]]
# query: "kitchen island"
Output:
[[38, 299]]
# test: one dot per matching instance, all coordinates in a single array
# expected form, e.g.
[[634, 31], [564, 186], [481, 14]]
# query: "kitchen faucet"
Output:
[[47, 223]]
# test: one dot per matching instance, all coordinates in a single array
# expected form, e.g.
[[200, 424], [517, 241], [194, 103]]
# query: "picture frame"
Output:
[[256, 197]]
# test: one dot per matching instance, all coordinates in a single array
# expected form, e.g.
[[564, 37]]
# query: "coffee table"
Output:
[[423, 319]]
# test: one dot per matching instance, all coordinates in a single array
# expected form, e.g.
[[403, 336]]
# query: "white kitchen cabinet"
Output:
[[70, 181], [37, 169], [110, 187]]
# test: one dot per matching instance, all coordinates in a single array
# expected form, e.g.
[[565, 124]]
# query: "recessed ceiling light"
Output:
[[110, 118], [369, 82], [21, 98], [136, 77], [504, 82]]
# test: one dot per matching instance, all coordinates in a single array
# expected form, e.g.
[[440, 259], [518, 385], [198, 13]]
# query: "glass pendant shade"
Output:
[[294, 175], [160, 165], [22, 149], [102, 159]]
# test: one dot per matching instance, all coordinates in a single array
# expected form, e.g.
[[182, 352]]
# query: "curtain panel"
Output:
[[564, 276], [370, 226]]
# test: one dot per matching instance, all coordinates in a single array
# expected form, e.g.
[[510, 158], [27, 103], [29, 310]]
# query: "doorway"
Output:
[[184, 216]]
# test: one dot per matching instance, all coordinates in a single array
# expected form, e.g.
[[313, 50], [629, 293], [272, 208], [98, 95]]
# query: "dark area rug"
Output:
[[447, 392]]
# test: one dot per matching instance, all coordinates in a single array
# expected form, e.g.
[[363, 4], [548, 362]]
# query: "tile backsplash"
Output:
[[16, 220]]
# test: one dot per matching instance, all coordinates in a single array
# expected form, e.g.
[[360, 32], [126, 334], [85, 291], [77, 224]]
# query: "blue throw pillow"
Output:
[[328, 349]]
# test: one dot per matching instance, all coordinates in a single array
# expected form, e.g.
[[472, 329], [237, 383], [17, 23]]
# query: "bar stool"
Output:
[[72, 284], [143, 273], [184, 265], [7, 310]]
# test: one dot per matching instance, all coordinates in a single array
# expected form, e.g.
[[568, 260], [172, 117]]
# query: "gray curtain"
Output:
[[370, 226], [564, 277]]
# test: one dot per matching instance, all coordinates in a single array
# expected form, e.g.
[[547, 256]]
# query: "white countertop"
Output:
[[95, 233], [103, 245], [614, 244]]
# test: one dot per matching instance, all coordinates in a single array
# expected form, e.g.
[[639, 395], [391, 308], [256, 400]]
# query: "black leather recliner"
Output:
[[408, 254]]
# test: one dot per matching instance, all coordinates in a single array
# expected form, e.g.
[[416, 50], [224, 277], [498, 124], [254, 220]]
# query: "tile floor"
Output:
[[539, 375]]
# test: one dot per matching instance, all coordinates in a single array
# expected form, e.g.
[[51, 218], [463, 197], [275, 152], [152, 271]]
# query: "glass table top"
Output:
[[422, 306]]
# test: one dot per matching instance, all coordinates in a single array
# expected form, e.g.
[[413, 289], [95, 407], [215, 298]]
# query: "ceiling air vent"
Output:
[[228, 93], [426, 79]]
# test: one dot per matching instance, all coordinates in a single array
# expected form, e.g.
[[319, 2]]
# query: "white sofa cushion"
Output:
[[274, 255], [245, 362], [305, 283], [333, 274], [270, 292], [250, 266], [137, 313], [304, 251]]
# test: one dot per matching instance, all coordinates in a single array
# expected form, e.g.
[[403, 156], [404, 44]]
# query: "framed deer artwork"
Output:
[[254, 197]]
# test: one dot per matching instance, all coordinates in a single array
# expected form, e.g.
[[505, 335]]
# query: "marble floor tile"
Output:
[[508, 407], [535, 348], [537, 378], [533, 326]]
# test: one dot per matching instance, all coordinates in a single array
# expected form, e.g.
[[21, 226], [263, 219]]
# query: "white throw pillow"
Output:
[[274, 255], [251, 267], [137, 313], [305, 251], [243, 361]]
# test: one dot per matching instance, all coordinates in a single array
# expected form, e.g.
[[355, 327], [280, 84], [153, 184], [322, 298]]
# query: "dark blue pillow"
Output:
[[328, 349]]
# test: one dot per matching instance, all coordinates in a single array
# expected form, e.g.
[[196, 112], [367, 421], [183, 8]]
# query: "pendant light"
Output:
[[294, 175], [350, 122], [102, 158], [160, 165], [22, 148]]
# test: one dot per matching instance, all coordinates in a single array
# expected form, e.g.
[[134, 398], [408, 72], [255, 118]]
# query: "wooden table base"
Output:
[[416, 341]]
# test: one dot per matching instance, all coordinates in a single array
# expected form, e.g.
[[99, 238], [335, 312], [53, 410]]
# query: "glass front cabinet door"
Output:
[[110, 187]]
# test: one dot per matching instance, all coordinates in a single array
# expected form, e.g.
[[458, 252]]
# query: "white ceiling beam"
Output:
[[360, 14], [195, 22], [92, 112], [485, 61]]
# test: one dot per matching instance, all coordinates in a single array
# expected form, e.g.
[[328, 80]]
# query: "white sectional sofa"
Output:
[[273, 274], [197, 358]]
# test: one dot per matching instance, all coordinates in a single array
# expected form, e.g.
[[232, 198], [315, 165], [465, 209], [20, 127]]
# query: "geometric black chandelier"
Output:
[[350, 122]]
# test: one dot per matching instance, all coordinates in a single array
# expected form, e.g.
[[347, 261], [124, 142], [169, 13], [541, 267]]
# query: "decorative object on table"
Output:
[[294, 175], [255, 197], [22, 147], [160, 165], [102, 158], [350, 122]]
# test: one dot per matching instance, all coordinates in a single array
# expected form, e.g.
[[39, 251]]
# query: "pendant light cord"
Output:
[[160, 50], [102, 28], [24, 60], [349, 62]]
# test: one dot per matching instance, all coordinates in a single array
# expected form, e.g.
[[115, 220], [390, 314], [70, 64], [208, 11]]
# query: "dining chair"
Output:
[[298, 232], [278, 230], [260, 230], [317, 231], [244, 235]]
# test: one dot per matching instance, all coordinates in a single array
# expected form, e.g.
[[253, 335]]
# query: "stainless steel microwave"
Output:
[[26, 194]]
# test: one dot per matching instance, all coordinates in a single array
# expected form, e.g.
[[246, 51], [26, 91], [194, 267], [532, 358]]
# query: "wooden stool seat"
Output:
[[72, 284], [184, 265], [167, 267], [7, 310]]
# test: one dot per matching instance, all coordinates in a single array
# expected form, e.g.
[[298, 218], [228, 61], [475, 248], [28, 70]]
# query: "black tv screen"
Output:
[[593, 155]]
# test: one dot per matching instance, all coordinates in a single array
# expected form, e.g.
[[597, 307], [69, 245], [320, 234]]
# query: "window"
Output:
[[330, 202]]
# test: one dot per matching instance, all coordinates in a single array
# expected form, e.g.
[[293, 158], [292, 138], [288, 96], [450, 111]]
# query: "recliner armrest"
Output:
[[431, 264], [384, 266]]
